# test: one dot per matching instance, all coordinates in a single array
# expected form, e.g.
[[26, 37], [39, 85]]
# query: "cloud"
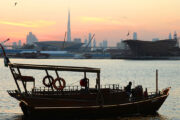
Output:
[[122, 20], [29, 24]]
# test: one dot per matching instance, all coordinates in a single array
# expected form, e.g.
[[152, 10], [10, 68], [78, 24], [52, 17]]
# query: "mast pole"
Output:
[[156, 81]]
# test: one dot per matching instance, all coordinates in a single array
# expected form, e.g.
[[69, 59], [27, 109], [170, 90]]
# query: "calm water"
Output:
[[112, 71]]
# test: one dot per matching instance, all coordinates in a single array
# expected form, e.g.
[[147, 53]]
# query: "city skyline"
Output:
[[109, 20]]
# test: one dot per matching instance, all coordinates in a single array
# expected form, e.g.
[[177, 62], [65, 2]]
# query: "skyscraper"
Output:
[[31, 38], [85, 42], [175, 35], [105, 43], [94, 43], [19, 43], [170, 36], [134, 36], [89, 42], [69, 28], [14, 45]]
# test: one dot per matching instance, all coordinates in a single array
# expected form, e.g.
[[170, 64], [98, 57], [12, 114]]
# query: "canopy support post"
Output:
[[98, 81], [84, 74], [57, 73], [86, 79]]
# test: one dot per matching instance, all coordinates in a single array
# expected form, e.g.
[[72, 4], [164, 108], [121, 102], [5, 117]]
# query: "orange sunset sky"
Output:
[[108, 19]]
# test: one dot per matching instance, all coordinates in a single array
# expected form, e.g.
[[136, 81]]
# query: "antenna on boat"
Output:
[[6, 59]]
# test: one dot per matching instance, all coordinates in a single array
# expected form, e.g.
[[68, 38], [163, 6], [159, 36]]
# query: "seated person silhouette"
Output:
[[128, 88]]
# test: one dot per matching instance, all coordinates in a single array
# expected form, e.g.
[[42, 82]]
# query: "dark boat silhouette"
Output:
[[55, 99]]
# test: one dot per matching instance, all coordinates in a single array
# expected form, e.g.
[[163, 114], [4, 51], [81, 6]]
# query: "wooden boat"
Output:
[[57, 99]]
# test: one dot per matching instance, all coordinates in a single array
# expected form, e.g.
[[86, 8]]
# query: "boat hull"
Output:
[[149, 106]]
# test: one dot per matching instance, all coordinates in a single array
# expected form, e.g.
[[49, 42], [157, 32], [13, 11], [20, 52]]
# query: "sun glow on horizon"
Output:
[[109, 20], [29, 24]]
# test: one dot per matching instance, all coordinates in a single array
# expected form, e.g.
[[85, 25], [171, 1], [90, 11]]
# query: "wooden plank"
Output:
[[52, 67], [24, 85], [15, 79]]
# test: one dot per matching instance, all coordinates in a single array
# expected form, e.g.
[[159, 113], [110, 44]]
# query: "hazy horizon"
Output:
[[109, 20]]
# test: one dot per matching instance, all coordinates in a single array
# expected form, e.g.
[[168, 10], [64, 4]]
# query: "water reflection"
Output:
[[10, 116], [118, 71], [150, 117]]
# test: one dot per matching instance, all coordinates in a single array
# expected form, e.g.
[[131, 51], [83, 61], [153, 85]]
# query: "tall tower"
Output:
[[135, 36], [175, 35], [170, 36], [69, 28], [94, 43]]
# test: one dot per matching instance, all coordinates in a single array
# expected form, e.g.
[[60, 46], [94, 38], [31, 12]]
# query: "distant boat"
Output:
[[32, 54], [153, 49]]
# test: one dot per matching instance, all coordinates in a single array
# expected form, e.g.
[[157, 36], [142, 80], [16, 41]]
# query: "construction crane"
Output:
[[5, 41], [89, 43]]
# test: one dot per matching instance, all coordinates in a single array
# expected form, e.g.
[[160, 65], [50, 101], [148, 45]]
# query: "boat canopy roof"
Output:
[[53, 67]]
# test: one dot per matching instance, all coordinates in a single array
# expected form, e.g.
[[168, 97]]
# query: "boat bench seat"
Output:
[[24, 78]]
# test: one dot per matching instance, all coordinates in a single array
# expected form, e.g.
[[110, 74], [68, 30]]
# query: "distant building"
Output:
[[176, 38], [170, 36], [134, 36], [121, 45], [31, 38], [85, 42], [100, 44], [175, 35], [89, 41], [155, 39], [77, 40], [69, 28], [14, 45], [19, 43], [94, 44], [105, 44], [58, 46]]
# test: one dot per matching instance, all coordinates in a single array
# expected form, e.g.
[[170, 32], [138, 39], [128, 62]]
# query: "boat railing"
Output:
[[151, 93], [113, 86], [67, 88], [12, 91]]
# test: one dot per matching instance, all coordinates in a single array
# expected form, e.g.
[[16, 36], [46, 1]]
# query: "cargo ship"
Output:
[[161, 49]]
